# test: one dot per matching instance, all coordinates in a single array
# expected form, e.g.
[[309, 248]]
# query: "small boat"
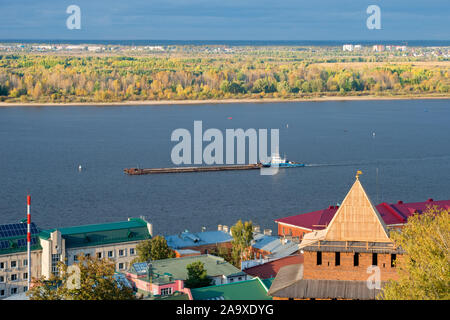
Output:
[[276, 160]]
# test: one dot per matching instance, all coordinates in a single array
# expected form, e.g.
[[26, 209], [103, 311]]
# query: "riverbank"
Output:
[[221, 101]]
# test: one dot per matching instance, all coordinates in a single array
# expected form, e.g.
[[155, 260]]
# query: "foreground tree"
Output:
[[88, 279], [424, 271], [242, 234], [197, 276], [153, 249]]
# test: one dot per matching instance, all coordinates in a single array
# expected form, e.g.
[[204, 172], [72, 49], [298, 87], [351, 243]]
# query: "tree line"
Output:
[[52, 78]]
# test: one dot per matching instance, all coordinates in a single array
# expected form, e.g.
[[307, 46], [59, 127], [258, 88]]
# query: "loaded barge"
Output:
[[137, 171]]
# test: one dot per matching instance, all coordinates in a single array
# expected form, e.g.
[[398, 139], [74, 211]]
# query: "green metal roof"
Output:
[[243, 290], [168, 270], [98, 234]]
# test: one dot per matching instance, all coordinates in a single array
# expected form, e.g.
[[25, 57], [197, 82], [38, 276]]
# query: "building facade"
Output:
[[115, 241]]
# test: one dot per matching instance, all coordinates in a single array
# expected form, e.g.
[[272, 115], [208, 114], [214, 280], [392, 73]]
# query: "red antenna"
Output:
[[29, 240]]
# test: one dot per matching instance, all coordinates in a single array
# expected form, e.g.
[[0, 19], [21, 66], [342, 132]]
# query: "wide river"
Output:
[[42, 147]]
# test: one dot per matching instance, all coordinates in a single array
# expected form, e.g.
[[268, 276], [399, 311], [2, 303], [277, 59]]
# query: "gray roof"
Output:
[[278, 247], [289, 283], [189, 239]]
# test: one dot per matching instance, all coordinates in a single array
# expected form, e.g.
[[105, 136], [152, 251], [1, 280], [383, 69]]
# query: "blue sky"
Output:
[[225, 20]]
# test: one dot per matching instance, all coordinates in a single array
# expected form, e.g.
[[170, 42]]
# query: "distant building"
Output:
[[378, 48], [337, 258], [347, 47], [116, 241], [200, 241], [165, 277]]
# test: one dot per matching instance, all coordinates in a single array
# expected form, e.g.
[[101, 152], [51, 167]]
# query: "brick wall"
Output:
[[291, 231], [346, 270]]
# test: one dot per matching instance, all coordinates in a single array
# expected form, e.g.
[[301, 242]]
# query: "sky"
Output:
[[225, 20]]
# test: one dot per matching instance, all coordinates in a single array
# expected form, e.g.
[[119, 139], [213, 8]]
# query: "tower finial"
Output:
[[358, 173]]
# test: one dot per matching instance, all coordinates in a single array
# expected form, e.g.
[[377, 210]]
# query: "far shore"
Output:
[[220, 101]]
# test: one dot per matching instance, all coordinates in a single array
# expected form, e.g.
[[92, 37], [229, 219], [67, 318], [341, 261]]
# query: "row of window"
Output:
[[110, 254], [13, 264], [12, 291], [337, 259], [14, 277]]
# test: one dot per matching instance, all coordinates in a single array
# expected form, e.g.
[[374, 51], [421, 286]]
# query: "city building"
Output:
[[394, 215], [254, 289], [14, 260], [167, 276], [116, 241], [204, 242], [339, 260]]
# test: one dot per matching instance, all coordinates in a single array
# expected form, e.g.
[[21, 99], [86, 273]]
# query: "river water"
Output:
[[42, 147]]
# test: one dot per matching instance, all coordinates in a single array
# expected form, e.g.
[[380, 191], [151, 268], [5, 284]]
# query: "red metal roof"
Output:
[[270, 269], [394, 213]]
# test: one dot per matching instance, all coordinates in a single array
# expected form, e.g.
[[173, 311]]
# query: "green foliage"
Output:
[[242, 234], [197, 275], [265, 72], [96, 282], [153, 249], [424, 271]]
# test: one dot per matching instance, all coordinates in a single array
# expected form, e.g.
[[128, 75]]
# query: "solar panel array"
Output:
[[16, 229]]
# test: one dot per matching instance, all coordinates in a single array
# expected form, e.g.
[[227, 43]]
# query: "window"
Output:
[[319, 258], [166, 291], [110, 254], [99, 255], [2, 293], [55, 259], [374, 259], [14, 277], [25, 289], [393, 260], [13, 264], [132, 251], [121, 253], [25, 275], [13, 290], [337, 259], [121, 266], [25, 262], [356, 259], [2, 279], [75, 258], [2, 265]]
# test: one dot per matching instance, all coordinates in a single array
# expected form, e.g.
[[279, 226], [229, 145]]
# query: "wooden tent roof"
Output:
[[357, 219]]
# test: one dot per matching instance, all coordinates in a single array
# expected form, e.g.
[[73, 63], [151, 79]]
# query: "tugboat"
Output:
[[276, 160]]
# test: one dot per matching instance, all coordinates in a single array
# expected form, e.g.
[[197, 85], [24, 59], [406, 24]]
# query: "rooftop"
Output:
[[168, 270], [89, 235], [392, 214], [13, 238], [253, 289], [271, 268], [277, 247], [189, 239]]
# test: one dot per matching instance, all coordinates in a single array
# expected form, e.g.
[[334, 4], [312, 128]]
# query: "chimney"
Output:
[[430, 200], [225, 229], [267, 232], [400, 202], [219, 227], [256, 229]]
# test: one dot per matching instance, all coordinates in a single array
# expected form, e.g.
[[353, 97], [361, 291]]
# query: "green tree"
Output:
[[197, 275], [153, 249], [95, 282], [424, 270], [242, 234]]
